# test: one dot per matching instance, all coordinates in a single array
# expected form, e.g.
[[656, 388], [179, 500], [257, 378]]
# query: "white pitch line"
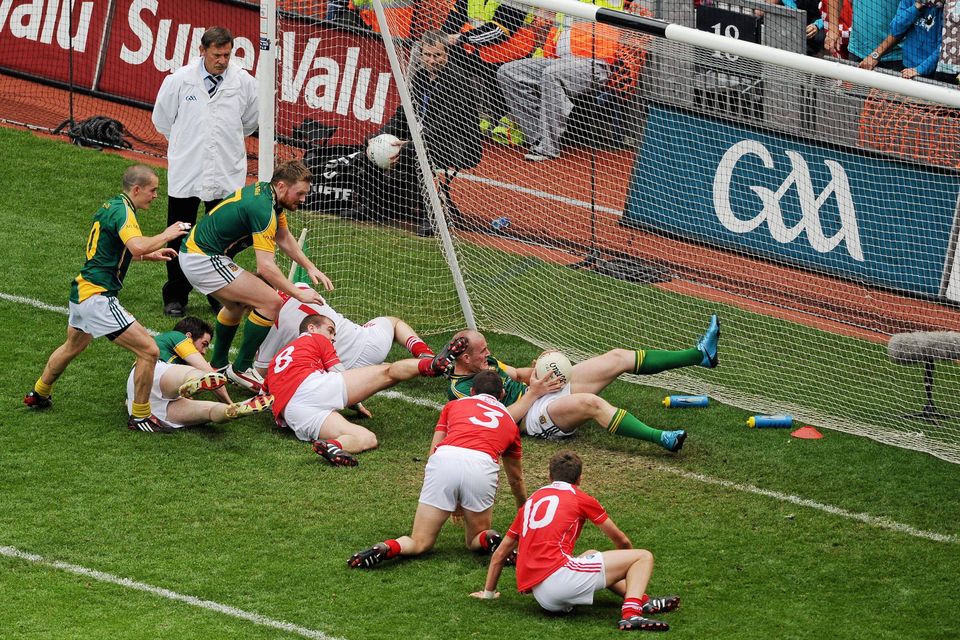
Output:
[[46, 307], [209, 605], [881, 523]]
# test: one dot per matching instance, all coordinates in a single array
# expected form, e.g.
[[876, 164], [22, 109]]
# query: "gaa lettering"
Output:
[[810, 203]]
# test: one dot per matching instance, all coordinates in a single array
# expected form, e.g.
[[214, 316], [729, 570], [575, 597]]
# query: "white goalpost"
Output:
[[596, 178]]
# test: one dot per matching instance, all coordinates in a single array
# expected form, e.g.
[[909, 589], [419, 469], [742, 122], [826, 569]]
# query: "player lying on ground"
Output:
[[557, 415], [174, 386], [187, 344], [357, 346], [253, 215], [114, 241], [547, 527], [472, 435], [181, 373], [311, 385]]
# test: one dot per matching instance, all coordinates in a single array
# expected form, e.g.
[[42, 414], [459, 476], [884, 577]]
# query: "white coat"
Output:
[[206, 152]]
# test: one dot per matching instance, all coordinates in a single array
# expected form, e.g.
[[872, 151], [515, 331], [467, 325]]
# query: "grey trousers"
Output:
[[539, 93]]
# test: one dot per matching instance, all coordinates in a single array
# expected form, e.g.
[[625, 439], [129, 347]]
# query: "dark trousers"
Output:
[[177, 287]]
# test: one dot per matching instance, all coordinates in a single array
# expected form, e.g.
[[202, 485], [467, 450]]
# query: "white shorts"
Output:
[[455, 475], [538, 423], [100, 315], [319, 395], [208, 274], [158, 403], [371, 346], [572, 584]]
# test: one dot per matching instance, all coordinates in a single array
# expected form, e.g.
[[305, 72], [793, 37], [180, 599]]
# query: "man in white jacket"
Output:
[[205, 109]]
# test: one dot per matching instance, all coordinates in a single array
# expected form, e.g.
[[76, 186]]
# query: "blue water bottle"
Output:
[[501, 223], [770, 422], [676, 402]]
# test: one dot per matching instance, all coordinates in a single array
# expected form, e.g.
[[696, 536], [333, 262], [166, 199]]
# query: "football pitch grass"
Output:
[[761, 535]]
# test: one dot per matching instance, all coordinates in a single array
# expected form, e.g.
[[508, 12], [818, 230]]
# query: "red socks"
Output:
[[418, 348], [393, 548], [633, 607]]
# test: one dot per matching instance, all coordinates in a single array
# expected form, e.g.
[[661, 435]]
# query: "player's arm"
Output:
[[268, 270], [291, 247], [617, 537], [438, 437], [497, 561], [154, 247], [537, 388], [514, 470]]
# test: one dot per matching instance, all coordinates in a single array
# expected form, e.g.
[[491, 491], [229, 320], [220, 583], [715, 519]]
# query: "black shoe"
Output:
[[36, 401], [664, 604], [150, 424], [638, 623], [333, 454], [369, 557], [173, 310], [442, 363]]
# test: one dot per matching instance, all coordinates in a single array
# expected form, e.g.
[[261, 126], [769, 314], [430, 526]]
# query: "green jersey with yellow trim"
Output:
[[107, 255], [175, 347], [248, 217], [461, 384]]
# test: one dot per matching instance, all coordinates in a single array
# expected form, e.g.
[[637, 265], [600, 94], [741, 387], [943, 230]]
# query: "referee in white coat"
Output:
[[205, 109]]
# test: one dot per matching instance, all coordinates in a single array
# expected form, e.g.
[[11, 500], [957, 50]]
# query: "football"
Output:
[[383, 150], [554, 362]]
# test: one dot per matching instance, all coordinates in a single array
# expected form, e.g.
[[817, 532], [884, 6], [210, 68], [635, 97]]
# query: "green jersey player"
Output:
[[252, 216], [114, 241]]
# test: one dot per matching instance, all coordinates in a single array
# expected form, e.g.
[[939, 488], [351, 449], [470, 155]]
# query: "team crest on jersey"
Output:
[[233, 267], [543, 419]]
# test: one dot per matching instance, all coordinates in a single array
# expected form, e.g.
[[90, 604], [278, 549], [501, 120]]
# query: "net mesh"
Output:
[[659, 184]]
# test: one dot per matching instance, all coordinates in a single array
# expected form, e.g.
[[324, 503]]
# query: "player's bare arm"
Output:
[[513, 467], [268, 270], [497, 562], [154, 247], [617, 537], [289, 245], [438, 437], [537, 387]]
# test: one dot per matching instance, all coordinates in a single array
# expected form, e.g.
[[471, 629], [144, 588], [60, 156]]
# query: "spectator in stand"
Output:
[[919, 27], [206, 152], [503, 34], [949, 65], [836, 49], [815, 31], [540, 91], [868, 35]]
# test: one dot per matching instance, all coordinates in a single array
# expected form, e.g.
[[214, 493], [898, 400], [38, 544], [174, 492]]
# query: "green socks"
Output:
[[650, 362], [626, 424]]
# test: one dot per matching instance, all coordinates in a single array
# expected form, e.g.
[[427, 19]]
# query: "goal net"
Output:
[[618, 190]]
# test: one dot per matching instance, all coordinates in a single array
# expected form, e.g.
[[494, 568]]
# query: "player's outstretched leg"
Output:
[[707, 344], [332, 452], [204, 382]]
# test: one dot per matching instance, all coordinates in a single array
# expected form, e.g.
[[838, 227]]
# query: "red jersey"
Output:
[[547, 526], [307, 354], [480, 423]]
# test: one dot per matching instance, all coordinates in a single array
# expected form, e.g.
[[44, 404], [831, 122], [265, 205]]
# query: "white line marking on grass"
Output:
[[874, 521], [866, 518], [209, 605], [46, 307]]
